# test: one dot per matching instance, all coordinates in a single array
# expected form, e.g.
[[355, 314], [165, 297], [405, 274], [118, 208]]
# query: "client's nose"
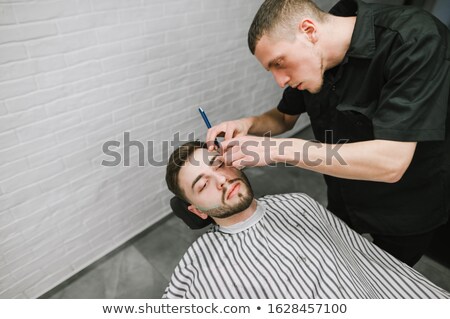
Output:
[[221, 181]]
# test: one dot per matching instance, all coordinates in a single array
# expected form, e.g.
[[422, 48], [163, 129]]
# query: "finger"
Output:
[[211, 135], [211, 146], [229, 132], [239, 164], [232, 155], [238, 134], [226, 144]]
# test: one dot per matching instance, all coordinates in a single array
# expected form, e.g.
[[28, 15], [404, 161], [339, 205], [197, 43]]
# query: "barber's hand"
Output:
[[248, 151], [228, 130]]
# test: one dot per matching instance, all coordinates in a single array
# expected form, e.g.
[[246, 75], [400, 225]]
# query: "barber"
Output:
[[374, 80]]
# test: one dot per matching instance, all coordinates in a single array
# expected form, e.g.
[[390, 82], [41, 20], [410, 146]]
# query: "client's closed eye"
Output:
[[203, 187]]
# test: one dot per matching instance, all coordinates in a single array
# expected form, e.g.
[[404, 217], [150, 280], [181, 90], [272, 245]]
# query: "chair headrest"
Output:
[[180, 209]]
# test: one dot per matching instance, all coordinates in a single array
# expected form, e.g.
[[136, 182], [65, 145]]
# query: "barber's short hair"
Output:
[[177, 160], [280, 13]]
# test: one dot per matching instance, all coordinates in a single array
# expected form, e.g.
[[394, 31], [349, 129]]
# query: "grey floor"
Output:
[[142, 267]]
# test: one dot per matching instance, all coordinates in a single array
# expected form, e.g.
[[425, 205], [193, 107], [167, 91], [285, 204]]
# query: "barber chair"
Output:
[[180, 209]]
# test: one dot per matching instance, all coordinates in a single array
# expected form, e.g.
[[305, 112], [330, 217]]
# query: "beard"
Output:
[[319, 86], [228, 210]]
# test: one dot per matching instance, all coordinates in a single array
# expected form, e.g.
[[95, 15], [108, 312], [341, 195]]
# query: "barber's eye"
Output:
[[278, 64]]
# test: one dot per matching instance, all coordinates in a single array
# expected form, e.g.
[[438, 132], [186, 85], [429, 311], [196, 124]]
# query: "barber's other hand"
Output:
[[248, 151], [228, 130]]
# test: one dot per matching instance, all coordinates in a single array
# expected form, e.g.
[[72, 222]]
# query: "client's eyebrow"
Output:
[[211, 161], [196, 180]]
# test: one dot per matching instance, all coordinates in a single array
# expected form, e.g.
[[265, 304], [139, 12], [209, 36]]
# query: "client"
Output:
[[281, 246]]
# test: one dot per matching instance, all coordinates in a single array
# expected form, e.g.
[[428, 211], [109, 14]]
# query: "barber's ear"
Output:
[[195, 211], [309, 29]]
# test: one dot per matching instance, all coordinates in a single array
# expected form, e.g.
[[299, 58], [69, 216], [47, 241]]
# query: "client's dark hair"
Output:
[[178, 158]]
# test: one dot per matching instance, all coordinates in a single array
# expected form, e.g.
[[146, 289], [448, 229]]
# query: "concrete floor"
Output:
[[142, 267]]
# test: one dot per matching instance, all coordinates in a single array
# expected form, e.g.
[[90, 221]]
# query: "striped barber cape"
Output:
[[292, 247]]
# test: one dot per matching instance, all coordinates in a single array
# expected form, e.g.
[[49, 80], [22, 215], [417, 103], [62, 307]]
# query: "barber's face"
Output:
[[213, 188], [296, 63]]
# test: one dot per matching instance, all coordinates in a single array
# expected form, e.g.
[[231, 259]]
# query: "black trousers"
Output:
[[407, 249]]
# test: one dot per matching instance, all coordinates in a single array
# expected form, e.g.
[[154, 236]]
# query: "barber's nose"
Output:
[[281, 78]]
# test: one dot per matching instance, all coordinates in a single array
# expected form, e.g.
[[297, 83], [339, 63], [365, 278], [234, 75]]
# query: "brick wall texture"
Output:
[[75, 74]]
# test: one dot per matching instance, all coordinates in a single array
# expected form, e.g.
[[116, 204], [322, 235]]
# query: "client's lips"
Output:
[[233, 190]]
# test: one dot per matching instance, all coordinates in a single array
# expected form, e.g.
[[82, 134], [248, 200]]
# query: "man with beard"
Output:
[[282, 246]]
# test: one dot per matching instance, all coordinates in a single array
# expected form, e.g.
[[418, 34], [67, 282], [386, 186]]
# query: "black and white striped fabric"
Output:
[[292, 247]]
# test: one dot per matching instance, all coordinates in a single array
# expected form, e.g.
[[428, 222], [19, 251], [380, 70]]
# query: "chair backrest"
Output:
[[180, 209]]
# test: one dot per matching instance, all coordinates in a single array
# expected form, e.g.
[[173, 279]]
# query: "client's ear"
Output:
[[195, 211]]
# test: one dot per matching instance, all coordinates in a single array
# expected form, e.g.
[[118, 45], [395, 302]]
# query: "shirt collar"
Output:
[[362, 44], [246, 224]]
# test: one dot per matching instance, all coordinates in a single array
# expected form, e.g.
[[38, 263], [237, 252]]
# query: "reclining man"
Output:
[[281, 246]]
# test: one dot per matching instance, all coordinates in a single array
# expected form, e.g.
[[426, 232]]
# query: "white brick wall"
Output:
[[77, 73]]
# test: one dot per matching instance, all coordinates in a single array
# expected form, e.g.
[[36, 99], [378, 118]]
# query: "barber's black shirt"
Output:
[[393, 84]]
